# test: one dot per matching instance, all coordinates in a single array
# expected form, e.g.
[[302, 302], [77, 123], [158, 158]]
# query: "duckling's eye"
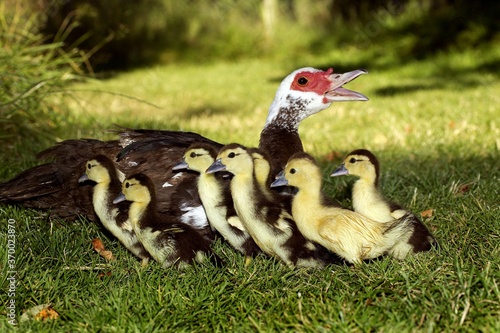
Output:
[[231, 155], [192, 155], [292, 171], [127, 185], [89, 166], [352, 160], [302, 81]]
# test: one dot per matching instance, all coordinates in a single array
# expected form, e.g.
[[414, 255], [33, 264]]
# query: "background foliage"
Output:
[[118, 34]]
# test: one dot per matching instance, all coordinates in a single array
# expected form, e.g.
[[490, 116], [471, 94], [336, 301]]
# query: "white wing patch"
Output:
[[194, 216]]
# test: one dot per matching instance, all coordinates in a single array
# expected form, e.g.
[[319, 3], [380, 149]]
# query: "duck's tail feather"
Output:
[[54, 186]]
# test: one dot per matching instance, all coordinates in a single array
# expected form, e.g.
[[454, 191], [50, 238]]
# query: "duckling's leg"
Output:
[[144, 262], [248, 261]]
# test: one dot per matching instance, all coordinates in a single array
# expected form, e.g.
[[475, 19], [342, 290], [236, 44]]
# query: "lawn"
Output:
[[434, 126]]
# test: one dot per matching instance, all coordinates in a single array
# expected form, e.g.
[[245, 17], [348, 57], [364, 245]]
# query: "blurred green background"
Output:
[[118, 34], [47, 44]]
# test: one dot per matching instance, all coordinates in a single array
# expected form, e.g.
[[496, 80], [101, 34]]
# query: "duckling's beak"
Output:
[[119, 198], [280, 180], [83, 178], [340, 171], [216, 167], [180, 166], [336, 91]]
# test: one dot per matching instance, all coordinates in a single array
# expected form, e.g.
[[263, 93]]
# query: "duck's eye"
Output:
[[127, 185], [192, 155], [231, 155], [302, 81], [352, 160], [292, 171], [89, 166]]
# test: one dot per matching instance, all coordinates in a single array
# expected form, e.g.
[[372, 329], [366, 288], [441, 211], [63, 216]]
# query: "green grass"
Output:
[[433, 124]]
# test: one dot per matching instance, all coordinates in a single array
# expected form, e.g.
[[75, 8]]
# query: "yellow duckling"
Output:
[[167, 240], [351, 235], [102, 171], [216, 198], [369, 201], [266, 220]]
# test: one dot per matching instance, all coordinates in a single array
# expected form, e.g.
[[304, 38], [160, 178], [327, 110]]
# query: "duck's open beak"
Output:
[[280, 180], [216, 167], [180, 166], [338, 93], [119, 198], [340, 171], [83, 178]]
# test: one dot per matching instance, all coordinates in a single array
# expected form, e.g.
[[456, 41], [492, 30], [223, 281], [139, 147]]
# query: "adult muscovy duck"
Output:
[[54, 186]]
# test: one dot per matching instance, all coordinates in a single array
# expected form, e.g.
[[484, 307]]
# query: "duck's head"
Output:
[[300, 171], [198, 157], [233, 158], [361, 163], [136, 188], [98, 170], [307, 91]]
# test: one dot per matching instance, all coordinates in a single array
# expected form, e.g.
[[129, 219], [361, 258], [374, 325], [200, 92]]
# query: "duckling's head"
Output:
[[98, 170], [300, 171], [198, 157], [136, 188], [233, 158], [361, 163]]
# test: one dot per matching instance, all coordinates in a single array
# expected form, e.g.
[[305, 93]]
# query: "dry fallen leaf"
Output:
[[98, 245], [427, 213], [40, 312], [47, 313], [99, 248]]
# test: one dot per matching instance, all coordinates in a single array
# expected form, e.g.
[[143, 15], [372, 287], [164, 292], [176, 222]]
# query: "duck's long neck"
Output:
[[279, 143], [280, 136]]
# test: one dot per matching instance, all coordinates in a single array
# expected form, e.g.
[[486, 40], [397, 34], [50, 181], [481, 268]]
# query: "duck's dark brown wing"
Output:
[[143, 140], [154, 153]]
